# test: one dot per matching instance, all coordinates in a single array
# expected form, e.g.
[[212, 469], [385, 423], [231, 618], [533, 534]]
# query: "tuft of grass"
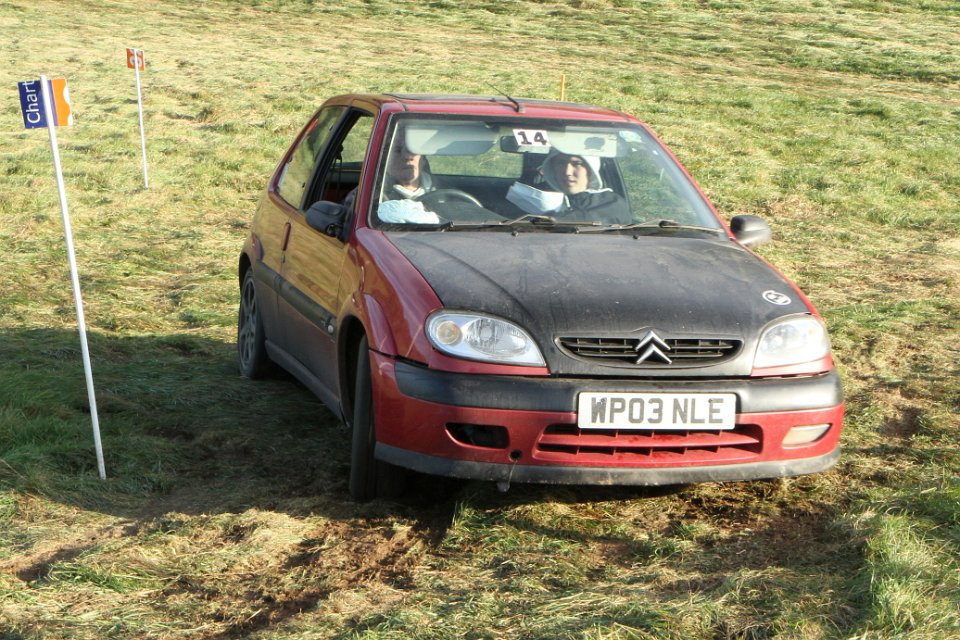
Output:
[[913, 578]]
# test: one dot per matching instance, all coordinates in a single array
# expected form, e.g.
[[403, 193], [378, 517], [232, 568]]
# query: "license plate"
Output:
[[686, 411]]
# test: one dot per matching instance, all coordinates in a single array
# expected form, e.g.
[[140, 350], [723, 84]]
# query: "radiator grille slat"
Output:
[[627, 351], [569, 444]]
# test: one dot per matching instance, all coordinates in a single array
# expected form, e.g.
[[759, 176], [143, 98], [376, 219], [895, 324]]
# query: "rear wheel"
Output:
[[369, 477], [251, 338]]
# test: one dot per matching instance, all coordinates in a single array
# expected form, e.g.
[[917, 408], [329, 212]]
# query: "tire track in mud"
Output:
[[259, 567], [35, 566], [340, 556]]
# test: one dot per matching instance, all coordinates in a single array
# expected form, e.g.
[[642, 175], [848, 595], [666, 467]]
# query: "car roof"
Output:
[[478, 105]]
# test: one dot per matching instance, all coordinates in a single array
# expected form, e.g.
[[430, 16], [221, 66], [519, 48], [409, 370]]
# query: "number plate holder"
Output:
[[657, 411]]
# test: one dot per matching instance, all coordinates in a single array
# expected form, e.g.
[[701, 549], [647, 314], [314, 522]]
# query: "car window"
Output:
[[298, 169], [655, 185], [492, 163], [343, 173], [475, 173]]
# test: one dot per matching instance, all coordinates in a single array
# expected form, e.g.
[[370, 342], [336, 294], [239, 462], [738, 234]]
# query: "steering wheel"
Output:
[[443, 196]]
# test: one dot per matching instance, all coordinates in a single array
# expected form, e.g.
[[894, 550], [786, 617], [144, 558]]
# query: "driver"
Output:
[[407, 179], [407, 173]]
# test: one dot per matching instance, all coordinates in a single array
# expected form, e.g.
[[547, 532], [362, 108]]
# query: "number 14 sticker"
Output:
[[531, 137]]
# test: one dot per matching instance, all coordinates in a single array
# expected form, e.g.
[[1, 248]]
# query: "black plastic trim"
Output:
[[553, 474], [295, 298], [758, 395], [266, 275], [307, 307]]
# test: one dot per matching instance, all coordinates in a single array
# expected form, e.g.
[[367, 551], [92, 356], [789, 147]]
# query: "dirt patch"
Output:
[[354, 555], [905, 424], [794, 538]]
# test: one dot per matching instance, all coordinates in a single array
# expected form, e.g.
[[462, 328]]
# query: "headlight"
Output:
[[478, 337], [792, 340]]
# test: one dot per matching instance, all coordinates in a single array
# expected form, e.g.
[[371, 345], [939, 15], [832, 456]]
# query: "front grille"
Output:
[[567, 443], [626, 351]]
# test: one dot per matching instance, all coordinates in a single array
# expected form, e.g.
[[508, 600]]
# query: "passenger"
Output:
[[578, 178], [576, 192]]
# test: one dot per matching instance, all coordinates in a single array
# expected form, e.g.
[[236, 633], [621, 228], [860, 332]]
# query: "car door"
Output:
[[284, 200], [310, 294]]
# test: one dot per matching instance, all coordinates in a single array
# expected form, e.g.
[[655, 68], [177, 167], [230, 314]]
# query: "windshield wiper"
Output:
[[529, 219], [656, 225]]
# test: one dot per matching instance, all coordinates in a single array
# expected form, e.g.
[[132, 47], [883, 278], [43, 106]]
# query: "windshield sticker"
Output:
[[775, 297], [631, 136], [531, 137]]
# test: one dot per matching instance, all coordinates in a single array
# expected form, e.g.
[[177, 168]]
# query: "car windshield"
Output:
[[539, 174]]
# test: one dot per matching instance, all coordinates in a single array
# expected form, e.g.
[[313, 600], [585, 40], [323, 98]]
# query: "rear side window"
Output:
[[298, 169]]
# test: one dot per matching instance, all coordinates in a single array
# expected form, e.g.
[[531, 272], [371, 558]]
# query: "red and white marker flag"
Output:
[[136, 62], [46, 103], [135, 59]]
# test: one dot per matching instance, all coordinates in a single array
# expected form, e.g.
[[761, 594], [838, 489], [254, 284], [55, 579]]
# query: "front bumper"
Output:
[[420, 412], [541, 474]]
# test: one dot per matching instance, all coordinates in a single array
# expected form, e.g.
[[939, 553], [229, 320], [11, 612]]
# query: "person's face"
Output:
[[404, 167], [571, 173]]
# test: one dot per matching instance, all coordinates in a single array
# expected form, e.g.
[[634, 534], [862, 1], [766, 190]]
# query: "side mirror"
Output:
[[751, 231], [327, 217]]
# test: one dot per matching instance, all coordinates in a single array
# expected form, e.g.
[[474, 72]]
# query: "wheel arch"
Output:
[[243, 266], [352, 332], [376, 327]]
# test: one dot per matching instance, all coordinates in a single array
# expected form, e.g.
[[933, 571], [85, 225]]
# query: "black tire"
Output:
[[369, 477], [251, 337]]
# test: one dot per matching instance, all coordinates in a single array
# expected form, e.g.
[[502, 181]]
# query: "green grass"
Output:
[[225, 512]]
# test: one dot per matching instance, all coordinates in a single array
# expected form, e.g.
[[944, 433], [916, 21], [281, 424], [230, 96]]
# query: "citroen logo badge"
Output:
[[651, 347]]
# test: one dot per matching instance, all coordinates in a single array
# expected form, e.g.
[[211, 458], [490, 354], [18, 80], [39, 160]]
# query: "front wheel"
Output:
[[369, 477]]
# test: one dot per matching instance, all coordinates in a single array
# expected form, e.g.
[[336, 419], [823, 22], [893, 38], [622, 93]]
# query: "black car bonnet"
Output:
[[566, 285]]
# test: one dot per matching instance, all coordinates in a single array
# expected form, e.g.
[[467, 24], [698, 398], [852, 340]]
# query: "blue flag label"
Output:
[[31, 103]]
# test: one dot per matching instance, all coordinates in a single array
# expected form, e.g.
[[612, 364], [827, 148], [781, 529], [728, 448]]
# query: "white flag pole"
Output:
[[137, 57], [74, 278]]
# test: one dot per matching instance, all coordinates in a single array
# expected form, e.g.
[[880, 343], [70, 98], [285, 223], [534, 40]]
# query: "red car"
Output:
[[528, 291]]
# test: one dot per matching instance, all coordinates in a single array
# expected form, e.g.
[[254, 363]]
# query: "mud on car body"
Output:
[[528, 291]]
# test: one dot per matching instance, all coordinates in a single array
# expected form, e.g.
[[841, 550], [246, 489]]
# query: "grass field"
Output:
[[225, 513]]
